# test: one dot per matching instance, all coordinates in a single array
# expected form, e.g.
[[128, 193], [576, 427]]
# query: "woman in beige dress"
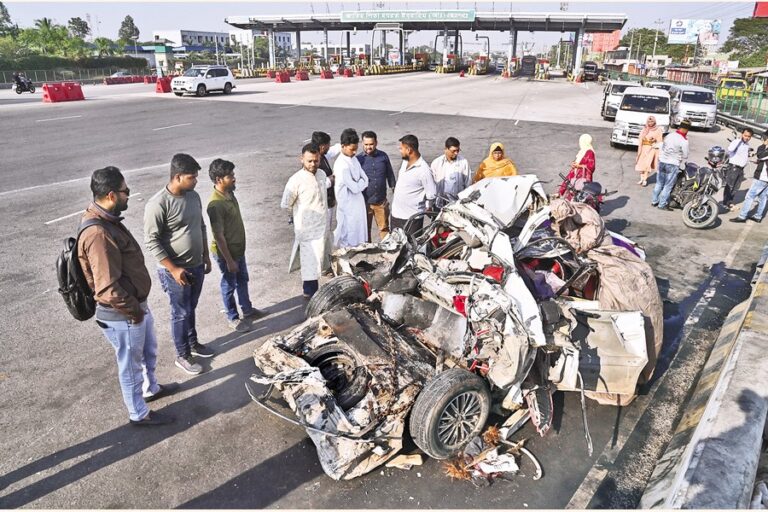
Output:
[[648, 144]]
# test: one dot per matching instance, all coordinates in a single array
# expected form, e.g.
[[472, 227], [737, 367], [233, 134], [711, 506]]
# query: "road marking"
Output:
[[290, 106], [736, 246], [517, 122], [129, 171], [76, 213], [56, 119], [172, 126], [307, 140]]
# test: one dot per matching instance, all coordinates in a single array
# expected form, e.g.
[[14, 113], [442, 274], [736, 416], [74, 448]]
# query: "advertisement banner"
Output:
[[436, 16], [687, 31]]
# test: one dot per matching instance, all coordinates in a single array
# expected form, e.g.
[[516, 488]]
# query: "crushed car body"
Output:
[[501, 300]]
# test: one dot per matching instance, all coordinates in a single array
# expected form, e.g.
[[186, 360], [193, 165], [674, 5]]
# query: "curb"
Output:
[[711, 460]]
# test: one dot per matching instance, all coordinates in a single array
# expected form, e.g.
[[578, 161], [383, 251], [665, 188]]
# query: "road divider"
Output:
[[56, 92], [163, 84]]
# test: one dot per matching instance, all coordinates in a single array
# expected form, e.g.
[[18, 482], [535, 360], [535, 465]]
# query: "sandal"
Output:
[[640, 182], [645, 183]]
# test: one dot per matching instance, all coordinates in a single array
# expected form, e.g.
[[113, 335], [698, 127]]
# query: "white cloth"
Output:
[[305, 194], [738, 153], [351, 211], [451, 177], [415, 185]]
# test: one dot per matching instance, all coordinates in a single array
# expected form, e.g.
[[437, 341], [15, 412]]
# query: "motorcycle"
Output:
[[25, 85], [695, 189], [587, 192]]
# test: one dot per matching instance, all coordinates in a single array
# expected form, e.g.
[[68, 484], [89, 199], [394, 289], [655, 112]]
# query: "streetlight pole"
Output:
[[660, 23]]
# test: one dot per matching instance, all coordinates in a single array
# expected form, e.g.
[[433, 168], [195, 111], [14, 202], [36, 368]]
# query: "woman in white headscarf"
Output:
[[582, 168]]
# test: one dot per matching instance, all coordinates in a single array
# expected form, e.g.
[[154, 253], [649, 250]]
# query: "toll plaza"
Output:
[[449, 23]]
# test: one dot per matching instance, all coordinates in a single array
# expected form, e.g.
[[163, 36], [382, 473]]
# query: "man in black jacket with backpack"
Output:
[[113, 266]]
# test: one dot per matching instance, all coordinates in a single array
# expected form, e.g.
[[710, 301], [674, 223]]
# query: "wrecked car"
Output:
[[501, 300]]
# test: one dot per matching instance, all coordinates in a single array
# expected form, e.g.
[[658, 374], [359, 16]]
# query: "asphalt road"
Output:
[[65, 438]]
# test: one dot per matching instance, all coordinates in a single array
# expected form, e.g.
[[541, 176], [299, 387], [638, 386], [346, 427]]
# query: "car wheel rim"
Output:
[[459, 419]]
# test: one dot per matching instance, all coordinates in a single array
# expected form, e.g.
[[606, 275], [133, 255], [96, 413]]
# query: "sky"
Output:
[[106, 16]]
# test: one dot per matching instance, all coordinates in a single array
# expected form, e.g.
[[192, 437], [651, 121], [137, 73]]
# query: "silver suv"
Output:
[[200, 80]]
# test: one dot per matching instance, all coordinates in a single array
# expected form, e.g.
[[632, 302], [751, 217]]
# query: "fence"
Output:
[[62, 75]]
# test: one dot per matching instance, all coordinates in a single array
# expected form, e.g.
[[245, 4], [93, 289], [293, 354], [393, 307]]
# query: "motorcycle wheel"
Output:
[[702, 215], [32, 89], [18, 90]]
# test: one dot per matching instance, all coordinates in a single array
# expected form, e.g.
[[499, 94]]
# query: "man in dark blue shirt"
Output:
[[378, 168]]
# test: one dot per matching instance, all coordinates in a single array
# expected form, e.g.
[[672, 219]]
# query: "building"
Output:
[[191, 37], [245, 37], [603, 42]]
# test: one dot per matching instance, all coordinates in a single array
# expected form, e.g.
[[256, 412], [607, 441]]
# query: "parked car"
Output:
[[697, 104], [637, 103], [612, 94], [200, 80], [119, 74], [503, 299]]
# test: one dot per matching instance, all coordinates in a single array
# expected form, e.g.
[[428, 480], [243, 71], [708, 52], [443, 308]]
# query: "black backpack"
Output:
[[73, 287]]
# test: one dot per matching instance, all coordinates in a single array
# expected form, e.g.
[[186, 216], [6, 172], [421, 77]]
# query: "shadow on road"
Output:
[[124, 441]]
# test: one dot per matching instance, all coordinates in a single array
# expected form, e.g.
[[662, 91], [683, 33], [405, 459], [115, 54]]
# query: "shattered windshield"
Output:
[[642, 103]]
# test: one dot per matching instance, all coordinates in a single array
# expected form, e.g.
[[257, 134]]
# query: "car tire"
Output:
[[201, 91], [613, 144], [346, 378], [179, 94], [452, 393], [335, 294], [228, 88]]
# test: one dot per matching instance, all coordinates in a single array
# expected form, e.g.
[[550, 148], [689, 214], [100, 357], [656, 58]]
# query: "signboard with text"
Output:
[[436, 16], [688, 31]]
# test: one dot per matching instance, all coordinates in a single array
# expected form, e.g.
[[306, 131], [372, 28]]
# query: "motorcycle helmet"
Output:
[[715, 156]]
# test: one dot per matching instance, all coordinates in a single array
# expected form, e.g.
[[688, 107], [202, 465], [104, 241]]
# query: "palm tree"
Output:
[[44, 24], [103, 46], [45, 28]]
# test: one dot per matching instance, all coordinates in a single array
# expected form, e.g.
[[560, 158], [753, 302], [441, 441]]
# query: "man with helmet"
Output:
[[759, 188]]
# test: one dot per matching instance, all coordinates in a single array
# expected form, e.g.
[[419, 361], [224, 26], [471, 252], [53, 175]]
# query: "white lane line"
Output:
[[517, 122], [76, 213], [731, 256], [172, 126], [289, 106], [56, 119], [129, 171], [308, 140]]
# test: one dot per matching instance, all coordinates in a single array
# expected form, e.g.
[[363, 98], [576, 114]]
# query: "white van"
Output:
[[612, 97], [697, 104], [637, 104]]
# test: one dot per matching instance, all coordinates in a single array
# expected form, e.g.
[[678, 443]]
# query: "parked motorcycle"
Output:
[[25, 85], [695, 189], [587, 192]]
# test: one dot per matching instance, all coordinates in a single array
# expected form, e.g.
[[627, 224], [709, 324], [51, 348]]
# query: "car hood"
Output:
[[500, 201]]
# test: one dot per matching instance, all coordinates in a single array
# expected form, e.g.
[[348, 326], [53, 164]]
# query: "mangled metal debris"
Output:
[[502, 300]]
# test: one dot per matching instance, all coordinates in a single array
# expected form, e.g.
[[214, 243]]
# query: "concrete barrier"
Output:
[[712, 459]]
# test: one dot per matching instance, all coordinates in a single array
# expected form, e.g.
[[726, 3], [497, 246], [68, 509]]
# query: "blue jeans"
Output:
[[136, 352], [759, 189], [183, 303], [665, 182], [231, 282]]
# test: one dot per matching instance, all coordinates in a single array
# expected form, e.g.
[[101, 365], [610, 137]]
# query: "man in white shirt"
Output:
[[451, 172], [350, 182], [759, 188], [738, 157], [415, 188]]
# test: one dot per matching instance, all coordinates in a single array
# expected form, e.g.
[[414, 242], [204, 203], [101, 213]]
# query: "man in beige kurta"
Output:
[[306, 195]]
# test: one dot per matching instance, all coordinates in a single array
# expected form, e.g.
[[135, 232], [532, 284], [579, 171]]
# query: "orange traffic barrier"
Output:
[[271, 73], [62, 91], [282, 77], [72, 91], [150, 79], [163, 84], [302, 75], [348, 73], [360, 72], [326, 73]]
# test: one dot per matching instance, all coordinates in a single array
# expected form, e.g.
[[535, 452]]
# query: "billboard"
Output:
[[436, 16], [761, 10], [687, 31]]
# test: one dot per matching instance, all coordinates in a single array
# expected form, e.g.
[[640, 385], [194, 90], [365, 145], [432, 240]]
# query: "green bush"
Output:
[[45, 62]]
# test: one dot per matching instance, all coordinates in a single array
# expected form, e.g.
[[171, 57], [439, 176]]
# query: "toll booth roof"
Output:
[[455, 19]]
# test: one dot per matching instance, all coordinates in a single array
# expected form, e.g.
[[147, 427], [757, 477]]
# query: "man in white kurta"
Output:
[[350, 182], [451, 172], [305, 194]]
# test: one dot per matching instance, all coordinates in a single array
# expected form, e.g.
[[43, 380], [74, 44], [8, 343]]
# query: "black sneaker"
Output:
[[738, 219], [165, 390], [189, 365], [154, 418], [754, 219], [666, 208], [200, 350], [654, 204]]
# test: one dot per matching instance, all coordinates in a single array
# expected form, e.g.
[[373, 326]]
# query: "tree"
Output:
[[748, 40], [128, 30], [104, 46], [78, 27], [7, 27]]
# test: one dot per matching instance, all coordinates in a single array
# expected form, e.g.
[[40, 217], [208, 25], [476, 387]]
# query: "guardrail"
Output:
[[64, 75], [711, 460]]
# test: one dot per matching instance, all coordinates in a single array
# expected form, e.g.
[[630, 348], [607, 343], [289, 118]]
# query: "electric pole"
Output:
[[659, 22]]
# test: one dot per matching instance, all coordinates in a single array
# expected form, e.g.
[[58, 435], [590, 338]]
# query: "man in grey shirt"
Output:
[[175, 234], [673, 155], [415, 188]]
